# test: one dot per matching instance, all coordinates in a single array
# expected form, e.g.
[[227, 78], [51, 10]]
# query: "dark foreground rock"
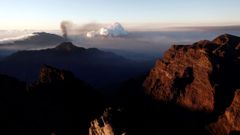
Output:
[[57, 103]]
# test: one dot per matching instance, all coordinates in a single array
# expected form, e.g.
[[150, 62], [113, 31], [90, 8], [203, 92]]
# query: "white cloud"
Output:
[[91, 34], [113, 30]]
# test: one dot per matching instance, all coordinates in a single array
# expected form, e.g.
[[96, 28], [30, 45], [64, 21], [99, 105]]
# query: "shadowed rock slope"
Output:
[[229, 122], [57, 103]]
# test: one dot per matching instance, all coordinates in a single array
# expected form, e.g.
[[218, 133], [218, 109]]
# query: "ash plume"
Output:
[[65, 26], [89, 27]]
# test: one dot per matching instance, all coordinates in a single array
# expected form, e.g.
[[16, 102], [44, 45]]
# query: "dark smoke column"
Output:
[[64, 28]]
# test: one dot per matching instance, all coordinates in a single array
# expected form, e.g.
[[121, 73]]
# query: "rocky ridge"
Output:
[[195, 76], [201, 77], [229, 122]]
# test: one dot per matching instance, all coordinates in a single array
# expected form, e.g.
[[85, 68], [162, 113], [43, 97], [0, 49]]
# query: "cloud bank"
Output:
[[113, 30]]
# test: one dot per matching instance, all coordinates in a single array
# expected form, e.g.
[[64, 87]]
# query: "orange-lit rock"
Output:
[[195, 76]]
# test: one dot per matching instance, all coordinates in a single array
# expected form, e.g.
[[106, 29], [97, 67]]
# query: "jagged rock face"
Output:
[[98, 129], [104, 125], [230, 121], [190, 75], [49, 74], [182, 76]]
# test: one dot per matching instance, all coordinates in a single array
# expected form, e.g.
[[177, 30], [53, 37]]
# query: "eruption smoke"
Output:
[[65, 26]]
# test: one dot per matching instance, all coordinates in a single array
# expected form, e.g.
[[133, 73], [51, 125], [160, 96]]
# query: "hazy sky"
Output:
[[47, 14]]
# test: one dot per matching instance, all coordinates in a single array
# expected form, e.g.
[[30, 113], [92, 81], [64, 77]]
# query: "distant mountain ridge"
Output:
[[33, 41], [36, 38], [92, 65]]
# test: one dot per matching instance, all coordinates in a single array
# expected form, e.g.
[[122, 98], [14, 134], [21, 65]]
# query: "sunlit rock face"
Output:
[[98, 129], [107, 123], [196, 76], [102, 125]]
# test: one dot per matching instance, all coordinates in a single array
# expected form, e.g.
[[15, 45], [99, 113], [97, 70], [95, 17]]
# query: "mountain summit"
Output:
[[68, 46], [227, 39]]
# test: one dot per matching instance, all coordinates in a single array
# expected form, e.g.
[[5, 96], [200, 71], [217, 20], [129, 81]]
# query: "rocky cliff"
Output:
[[102, 125], [196, 76], [229, 122], [109, 123]]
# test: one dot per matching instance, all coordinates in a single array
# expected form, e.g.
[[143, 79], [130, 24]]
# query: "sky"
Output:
[[47, 14]]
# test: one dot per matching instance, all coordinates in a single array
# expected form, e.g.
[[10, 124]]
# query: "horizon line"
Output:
[[138, 27]]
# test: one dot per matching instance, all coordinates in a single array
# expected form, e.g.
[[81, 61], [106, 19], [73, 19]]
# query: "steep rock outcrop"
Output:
[[98, 129], [106, 123], [196, 76], [182, 76], [229, 122], [102, 125]]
